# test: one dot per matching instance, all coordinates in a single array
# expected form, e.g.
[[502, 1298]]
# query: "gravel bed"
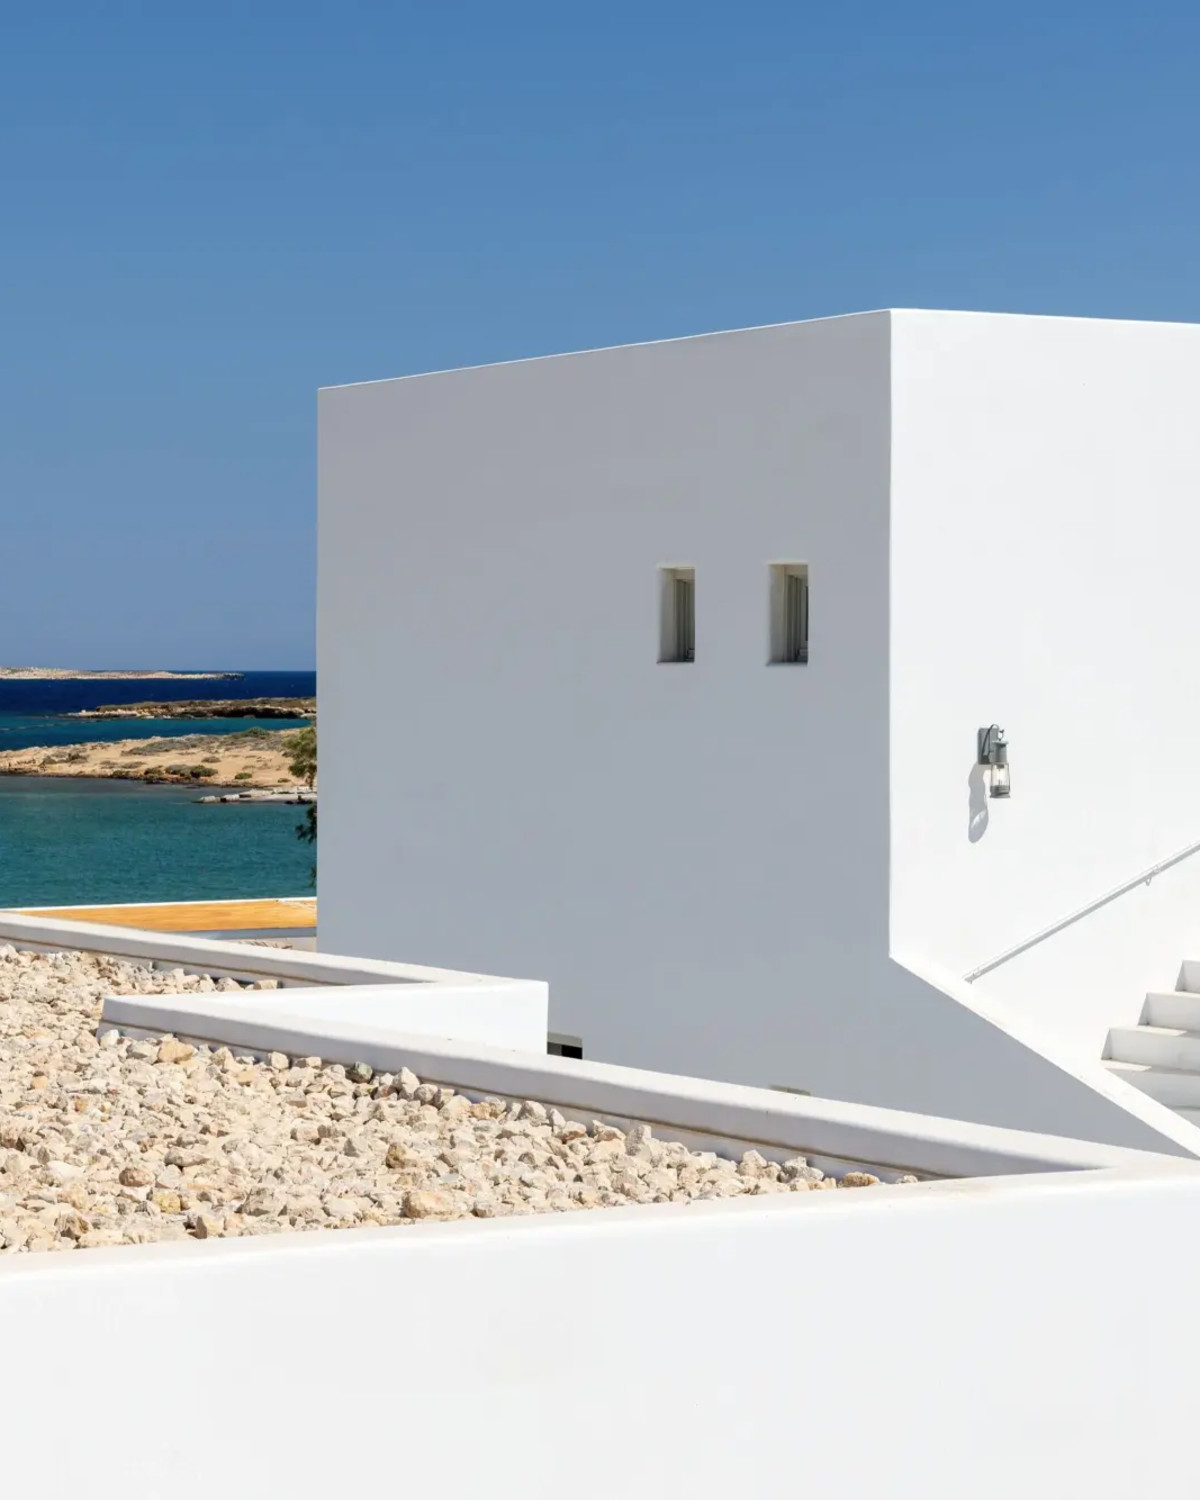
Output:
[[109, 1141]]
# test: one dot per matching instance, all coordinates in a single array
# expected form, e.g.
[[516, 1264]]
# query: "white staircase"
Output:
[[1161, 1055]]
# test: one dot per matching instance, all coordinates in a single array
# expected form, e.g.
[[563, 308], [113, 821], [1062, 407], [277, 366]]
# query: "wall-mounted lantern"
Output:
[[993, 755]]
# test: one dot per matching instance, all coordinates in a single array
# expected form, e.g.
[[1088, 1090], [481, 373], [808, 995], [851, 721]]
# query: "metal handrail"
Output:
[[1144, 878]]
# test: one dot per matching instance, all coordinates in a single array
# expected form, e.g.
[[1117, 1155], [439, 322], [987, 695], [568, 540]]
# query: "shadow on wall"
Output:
[[977, 816]]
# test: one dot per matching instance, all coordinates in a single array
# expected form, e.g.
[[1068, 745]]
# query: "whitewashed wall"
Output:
[[694, 855], [921, 1343], [1045, 534], [713, 864]]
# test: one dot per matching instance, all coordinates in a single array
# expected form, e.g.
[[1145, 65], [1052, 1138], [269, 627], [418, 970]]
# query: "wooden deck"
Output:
[[299, 914]]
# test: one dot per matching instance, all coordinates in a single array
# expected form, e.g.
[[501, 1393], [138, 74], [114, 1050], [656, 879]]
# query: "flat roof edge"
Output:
[[682, 338], [720, 333]]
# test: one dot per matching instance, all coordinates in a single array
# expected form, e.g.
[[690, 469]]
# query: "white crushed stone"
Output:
[[115, 1141]]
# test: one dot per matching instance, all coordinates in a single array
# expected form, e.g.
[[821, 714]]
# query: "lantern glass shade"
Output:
[[993, 757]]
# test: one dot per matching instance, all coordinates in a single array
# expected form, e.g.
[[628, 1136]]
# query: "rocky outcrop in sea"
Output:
[[201, 708]]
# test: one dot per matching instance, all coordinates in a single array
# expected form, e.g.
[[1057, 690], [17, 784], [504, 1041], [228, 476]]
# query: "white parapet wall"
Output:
[[469, 1008], [953, 1337], [925, 1343], [703, 1113], [368, 1008]]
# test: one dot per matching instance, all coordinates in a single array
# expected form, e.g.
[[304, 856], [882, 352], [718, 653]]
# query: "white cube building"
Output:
[[658, 672]]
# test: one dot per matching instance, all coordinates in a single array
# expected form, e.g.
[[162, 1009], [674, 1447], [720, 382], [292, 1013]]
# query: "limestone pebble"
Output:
[[107, 1140]]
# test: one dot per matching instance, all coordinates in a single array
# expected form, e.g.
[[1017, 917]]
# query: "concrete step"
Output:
[[1174, 1087], [1192, 1116], [1189, 976], [1176, 1009], [1159, 1046]]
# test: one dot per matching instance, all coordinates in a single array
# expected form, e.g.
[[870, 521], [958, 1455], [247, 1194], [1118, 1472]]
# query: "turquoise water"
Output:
[[72, 841]]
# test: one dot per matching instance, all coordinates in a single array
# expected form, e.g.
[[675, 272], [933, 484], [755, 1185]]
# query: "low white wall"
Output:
[[470, 1008], [507, 1013], [706, 1114], [941, 1048], [921, 1343]]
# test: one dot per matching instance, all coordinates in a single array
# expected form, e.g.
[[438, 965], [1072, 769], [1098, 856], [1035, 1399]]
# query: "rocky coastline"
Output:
[[200, 708], [250, 759]]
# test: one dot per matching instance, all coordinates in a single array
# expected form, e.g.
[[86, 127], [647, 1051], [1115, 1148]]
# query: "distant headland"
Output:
[[52, 674], [204, 708]]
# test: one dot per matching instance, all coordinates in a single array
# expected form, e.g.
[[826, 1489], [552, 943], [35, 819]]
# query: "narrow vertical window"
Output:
[[677, 617], [789, 612]]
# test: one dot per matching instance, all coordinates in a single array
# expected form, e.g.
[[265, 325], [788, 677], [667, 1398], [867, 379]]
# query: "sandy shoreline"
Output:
[[245, 761]]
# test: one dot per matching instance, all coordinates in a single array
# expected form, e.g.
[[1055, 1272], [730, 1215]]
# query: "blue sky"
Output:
[[207, 212]]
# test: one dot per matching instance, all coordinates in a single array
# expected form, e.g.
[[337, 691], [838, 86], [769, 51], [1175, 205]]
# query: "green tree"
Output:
[[302, 754], [302, 762]]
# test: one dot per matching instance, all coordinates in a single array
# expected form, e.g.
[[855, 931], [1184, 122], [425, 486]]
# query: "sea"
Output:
[[75, 841]]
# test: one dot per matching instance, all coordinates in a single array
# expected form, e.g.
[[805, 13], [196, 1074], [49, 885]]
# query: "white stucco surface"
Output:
[[910, 1343], [1044, 536], [328, 988], [667, 844], [742, 870]]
